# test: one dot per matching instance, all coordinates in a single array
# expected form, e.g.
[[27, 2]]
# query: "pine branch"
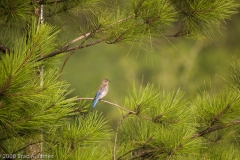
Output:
[[211, 127], [78, 39], [178, 34], [70, 49], [213, 141], [116, 105], [220, 114], [174, 151], [3, 149], [137, 150], [215, 128], [141, 154], [86, 36], [118, 38], [139, 5], [33, 143], [130, 151]]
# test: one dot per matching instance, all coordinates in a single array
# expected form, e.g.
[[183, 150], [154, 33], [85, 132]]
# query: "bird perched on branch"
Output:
[[102, 91]]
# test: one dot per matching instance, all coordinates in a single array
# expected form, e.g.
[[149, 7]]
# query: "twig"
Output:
[[3, 149], [119, 158], [141, 154], [215, 128], [62, 50], [116, 105], [64, 63], [220, 114], [27, 146], [136, 149], [208, 130], [113, 104], [174, 151], [78, 39]]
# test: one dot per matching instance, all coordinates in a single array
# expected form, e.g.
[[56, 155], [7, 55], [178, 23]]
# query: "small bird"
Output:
[[102, 91]]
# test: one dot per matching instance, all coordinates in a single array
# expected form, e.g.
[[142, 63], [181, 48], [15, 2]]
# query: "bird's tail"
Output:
[[94, 103]]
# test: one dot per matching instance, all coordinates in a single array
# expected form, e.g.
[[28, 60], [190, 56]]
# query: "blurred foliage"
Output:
[[178, 63]]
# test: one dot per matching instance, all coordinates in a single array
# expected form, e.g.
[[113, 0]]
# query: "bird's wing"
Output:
[[96, 98], [97, 95]]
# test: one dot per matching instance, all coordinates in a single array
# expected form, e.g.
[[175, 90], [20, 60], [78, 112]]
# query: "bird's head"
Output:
[[105, 81]]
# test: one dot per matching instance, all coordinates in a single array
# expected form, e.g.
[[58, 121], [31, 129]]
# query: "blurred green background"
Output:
[[170, 63]]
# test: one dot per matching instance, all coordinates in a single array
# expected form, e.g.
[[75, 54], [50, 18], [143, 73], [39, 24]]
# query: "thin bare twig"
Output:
[[113, 104], [62, 50], [64, 64], [116, 105]]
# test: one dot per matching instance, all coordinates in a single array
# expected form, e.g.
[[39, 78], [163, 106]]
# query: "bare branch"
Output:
[[116, 105], [62, 50], [113, 104], [78, 39], [86, 36]]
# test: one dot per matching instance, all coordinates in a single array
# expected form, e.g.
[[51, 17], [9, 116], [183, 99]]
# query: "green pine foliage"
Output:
[[37, 110], [81, 137], [27, 108], [168, 131]]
